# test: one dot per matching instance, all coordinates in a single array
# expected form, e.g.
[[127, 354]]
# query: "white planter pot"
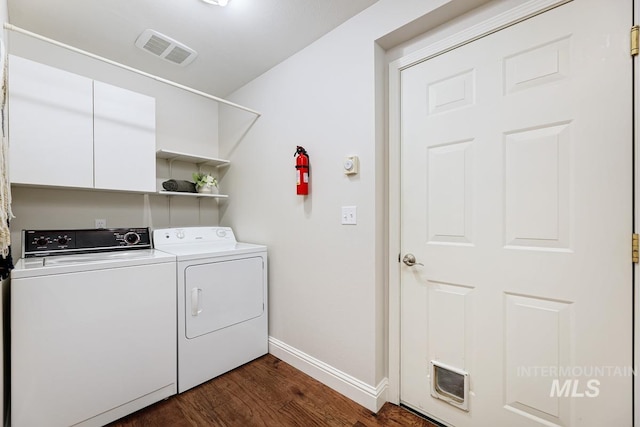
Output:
[[208, 189]]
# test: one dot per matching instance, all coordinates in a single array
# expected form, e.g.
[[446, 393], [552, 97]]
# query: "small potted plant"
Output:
[[205, 183]]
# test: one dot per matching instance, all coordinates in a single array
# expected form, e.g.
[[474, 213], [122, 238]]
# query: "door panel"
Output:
[[516, 197], [221, 294]]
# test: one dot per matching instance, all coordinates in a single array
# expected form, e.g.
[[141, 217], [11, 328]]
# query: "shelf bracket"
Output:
[[170, 164]]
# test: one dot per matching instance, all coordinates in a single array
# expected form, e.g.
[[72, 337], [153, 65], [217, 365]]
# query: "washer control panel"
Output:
[[59, 242]]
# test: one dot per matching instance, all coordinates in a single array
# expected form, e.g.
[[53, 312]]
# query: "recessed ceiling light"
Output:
[[217, 2]]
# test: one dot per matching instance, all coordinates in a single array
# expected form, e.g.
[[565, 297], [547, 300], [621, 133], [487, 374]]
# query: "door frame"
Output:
[[442, 45], [636, 221]]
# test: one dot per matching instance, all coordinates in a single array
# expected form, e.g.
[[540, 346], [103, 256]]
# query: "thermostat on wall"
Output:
[[351, 165]]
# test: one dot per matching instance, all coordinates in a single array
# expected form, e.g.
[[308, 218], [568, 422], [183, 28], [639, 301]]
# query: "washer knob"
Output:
[[180, 234], [63, 240], [221, 232], [42, 241], [131, 238]]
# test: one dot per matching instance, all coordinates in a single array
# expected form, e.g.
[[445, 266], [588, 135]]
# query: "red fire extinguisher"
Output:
[[302, 171]]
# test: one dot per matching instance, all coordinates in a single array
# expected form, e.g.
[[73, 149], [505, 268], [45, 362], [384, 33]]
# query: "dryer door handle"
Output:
[[195, 301]]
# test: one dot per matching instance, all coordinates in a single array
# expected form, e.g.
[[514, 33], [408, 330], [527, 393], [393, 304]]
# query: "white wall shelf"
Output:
[[191, 158], [198, 195], [171, 156], [126, 67]]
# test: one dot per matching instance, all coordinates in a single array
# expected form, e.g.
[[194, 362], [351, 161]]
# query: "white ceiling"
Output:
[[235, 43]]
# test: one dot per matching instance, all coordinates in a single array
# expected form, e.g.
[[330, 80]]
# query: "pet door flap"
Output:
[[450, 384]]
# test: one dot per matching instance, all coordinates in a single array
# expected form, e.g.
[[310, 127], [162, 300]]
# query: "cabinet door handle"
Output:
[[195, 301]]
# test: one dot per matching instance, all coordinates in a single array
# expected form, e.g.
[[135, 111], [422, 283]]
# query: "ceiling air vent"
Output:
[[165, 47]]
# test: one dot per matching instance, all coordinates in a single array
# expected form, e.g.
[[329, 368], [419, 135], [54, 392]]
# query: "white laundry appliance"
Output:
[[93, 324], [222, 301]]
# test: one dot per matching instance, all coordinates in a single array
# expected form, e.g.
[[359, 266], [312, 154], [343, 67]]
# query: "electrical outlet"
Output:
[[101, 223]]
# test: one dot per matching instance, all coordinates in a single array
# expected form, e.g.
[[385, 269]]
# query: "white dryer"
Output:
[[222, 301]]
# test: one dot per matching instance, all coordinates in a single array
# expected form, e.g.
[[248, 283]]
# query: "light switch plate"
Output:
[[349, 215]]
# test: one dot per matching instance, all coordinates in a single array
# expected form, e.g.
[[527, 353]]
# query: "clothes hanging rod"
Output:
[[12, 27]]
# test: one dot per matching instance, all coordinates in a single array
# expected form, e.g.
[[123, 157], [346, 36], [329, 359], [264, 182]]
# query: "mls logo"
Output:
[[571, 388]]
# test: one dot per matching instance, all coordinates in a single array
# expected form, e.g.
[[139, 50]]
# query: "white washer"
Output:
[[92, 334], [222, 301]]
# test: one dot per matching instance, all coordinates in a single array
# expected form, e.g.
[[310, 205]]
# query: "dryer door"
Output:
[[222, 294]]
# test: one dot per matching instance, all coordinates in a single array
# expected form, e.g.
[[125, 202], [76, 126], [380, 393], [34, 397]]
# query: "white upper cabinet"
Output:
[[124, 139], [70, 131], [50, 125]]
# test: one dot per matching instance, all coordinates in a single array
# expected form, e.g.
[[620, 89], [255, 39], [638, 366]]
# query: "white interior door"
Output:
[[516, 173]]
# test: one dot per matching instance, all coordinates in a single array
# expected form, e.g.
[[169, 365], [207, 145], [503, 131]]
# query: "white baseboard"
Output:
[[366, 395]]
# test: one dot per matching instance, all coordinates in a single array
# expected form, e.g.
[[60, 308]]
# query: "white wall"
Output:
[[184, 122], [327, 281]]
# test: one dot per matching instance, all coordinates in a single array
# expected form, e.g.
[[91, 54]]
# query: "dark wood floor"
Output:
[[266, 392]]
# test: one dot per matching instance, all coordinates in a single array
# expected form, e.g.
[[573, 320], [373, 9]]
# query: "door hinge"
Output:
[[635, 248], [635, 40]]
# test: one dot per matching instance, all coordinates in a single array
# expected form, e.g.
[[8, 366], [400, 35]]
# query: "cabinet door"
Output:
[[124, 139], [50, 125]]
